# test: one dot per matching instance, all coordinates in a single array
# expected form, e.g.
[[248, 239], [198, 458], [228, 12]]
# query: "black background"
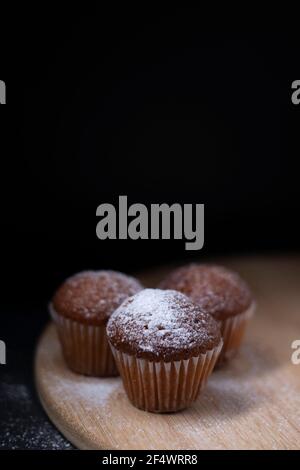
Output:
[[152, 104]]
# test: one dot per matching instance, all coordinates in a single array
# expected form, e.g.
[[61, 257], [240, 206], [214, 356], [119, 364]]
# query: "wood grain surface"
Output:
[[253, 403]]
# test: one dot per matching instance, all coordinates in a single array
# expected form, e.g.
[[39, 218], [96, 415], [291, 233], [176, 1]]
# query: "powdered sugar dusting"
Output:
[[23, 425], [86, 391], [216, 289], [162, 324], [94, 295], [89, 391]]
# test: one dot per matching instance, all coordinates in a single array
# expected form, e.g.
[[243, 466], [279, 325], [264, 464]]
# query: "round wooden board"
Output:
[[253, 403]]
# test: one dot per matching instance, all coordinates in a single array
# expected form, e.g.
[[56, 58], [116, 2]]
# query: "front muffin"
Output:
[[165, 347], [80, 309], [222, 293]]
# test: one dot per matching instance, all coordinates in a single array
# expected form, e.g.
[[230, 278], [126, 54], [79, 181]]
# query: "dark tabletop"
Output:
[[24, 424]]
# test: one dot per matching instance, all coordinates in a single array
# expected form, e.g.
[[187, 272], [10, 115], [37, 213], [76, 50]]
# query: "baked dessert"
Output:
[[80, 309], [220, 292], [165, 347]]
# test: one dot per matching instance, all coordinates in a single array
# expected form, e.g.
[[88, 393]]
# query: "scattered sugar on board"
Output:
[[92, 392]]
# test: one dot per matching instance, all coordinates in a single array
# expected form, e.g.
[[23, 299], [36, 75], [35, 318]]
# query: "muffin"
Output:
[[220, 292], [165, 347], [80, 309]]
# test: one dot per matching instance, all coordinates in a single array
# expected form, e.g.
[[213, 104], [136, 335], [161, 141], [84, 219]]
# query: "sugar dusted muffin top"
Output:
[[216, 289], [91, 296], [162, 325]]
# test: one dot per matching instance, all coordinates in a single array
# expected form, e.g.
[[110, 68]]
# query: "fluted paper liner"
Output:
[[85, 347], [164, 386], [233, 330]]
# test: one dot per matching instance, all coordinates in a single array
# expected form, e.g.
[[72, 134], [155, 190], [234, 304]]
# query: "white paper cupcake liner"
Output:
[[85, 347], [162, 387], [233, 330]]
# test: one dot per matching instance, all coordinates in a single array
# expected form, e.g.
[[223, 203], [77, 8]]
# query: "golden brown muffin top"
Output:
[[91, 296], [217, 290], [163, 325]]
